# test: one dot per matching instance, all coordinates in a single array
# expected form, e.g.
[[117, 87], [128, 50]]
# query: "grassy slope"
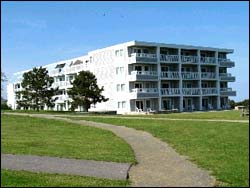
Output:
[[220, 147], [11, 178], [35, 136]]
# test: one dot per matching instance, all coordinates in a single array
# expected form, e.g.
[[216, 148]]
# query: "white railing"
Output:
[[74, 68], [208, 60], [144, 90], [170, 91], [189, 59], [169, 58], [170, 74], [190, 75], [226, 89], [61, 84], [208, 75], [151, 73], [144, 55], [208, 91], [191, 91], [225, 74]]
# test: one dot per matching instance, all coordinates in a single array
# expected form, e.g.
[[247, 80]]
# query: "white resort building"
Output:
[[145, 76]]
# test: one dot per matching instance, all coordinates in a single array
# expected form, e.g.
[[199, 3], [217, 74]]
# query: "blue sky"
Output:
[[39, 33]]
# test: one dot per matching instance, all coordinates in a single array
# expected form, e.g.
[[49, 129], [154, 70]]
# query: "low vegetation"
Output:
[[37, 136]]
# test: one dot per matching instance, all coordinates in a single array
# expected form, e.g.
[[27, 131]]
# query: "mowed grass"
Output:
[[228, 115], [43, 137], [221, 147], [10, 178]]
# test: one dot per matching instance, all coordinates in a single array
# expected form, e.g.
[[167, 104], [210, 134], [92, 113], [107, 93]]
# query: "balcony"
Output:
[[61, 84], [143, 75], [209, 91], [56, 72], [226, 62], [189, 59], [74, 69], [227, 77], [169, 58], [208, 75], [143, 58], [208, 60], [191, 91], [227, 92], [190, 75], [60, 98], [170, 75], [144, 92], [170, 91]]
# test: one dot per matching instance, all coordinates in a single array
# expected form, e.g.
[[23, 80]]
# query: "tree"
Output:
[[37, 90], [3, 79], [85, 91], [232, 104]]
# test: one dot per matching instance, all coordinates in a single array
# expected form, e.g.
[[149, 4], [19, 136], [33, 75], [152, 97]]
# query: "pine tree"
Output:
[[37, 90], [85, 91]]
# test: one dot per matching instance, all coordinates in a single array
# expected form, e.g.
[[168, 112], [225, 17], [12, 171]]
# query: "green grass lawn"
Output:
[[37, 136], [220, 147], [10, 178]]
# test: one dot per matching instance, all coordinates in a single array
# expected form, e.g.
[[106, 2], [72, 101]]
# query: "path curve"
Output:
[[158, 163]]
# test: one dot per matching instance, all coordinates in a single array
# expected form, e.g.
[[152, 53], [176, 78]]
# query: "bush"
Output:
[[4, 106]]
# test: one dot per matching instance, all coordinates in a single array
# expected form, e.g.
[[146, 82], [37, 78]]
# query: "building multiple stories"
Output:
[[144, 76]]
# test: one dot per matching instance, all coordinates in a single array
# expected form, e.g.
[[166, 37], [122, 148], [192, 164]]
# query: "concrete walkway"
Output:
[[151, 118], [46, 164], [158, 163]]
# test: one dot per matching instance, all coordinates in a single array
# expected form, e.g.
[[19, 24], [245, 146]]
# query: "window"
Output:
[[123, 104], [122, 87], [147, 104], [138, 68], [118, 87], [117, 70], [117, 53], [146, 68], [121, 70], [119, 104], [121, 52]]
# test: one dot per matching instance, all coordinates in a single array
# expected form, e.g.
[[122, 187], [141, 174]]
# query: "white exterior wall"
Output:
[[104, 63]]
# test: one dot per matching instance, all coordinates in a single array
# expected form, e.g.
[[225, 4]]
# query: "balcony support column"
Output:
[[159, 77], [217, 81], [200, 81], [180, 81]]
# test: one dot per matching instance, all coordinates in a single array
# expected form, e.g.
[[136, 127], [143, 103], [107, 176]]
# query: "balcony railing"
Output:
[[144, 55], [191, 91], [190, 75], [74, 69], [208, 75], [151, 73], [227, 92], [227, 77], [209, 91], [225, 62], [61, 84], [189, 59], [170, 75], [170, 91], [169, 58], [145, 90], [208, 60]]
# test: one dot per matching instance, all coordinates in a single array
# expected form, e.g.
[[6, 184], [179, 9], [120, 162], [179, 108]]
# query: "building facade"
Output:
[[144, 76]]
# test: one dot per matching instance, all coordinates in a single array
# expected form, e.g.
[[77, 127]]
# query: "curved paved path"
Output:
[[158, 164]]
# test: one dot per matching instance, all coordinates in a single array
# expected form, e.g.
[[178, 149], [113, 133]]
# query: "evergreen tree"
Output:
[[85, 91], [37, 89]]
